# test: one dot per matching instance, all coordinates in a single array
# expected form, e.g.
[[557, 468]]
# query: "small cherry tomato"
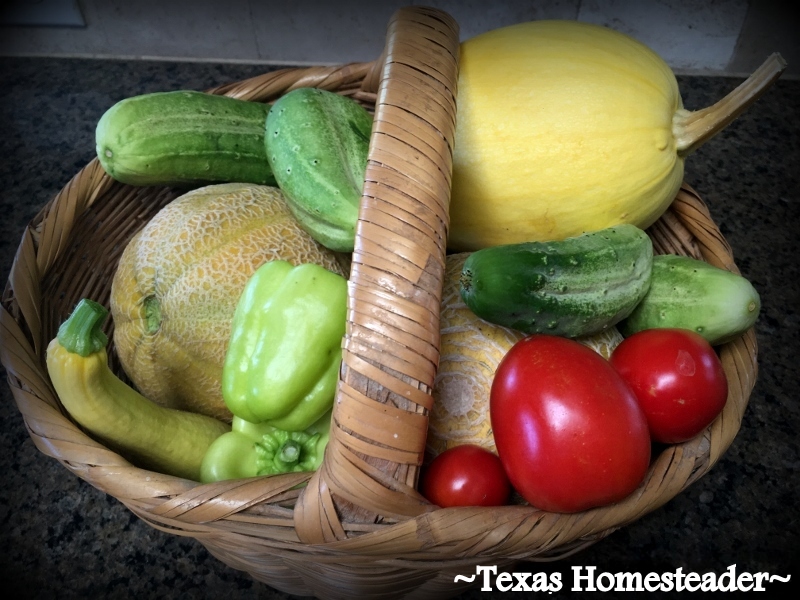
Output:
[[567, 428], [678, 380], [465, 475]]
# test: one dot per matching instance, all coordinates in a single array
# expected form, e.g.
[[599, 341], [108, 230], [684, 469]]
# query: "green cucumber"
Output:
[[572, 287], [691, 294], [317, 143], [184, 138]]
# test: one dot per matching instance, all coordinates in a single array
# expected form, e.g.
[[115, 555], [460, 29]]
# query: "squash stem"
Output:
[[82, 332], [693, 128]]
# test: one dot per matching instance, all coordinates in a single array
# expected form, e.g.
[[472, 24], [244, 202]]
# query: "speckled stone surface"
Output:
[[62, 538]]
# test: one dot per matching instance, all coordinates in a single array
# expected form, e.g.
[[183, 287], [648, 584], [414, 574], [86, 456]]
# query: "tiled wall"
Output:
[[728, 36]]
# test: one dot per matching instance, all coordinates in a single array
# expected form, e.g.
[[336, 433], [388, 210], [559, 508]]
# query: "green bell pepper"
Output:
[[285, 350], [254, 449]]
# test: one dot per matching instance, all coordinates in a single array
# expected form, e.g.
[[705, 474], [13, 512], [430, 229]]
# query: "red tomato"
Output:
[[568, 429], [465, 475], [677, 378]]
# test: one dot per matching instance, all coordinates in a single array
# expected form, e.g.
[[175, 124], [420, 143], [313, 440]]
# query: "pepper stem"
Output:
[[288, 452], [693, 128], [82, 332], [288, 455]]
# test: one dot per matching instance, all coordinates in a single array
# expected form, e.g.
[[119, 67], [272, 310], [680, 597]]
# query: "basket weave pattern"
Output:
[[359, 527]]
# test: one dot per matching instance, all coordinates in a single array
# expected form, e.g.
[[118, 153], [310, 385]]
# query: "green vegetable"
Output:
[[317, 143], [184, 138], [151, 436], [573, 287], [692, 294], [251, 449], [284, 353]]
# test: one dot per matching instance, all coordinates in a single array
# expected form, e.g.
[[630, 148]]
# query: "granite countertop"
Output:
[[62, 538]]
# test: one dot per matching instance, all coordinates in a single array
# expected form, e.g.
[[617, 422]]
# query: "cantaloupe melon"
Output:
[[178, 281]]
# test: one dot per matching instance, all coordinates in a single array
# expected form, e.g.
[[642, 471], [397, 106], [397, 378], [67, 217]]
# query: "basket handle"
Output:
[[391, 344]]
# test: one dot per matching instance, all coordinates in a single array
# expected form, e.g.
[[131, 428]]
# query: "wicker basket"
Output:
[[359, 528]]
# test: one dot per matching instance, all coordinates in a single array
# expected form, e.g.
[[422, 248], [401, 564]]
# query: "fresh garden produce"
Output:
[[466, 475], [282, 363], [678, 380], [566, 127], [571, 138], [568, 429], [317, 143], [175, 290], [692, 294], [572, 287], [469, 351], [151, 436], [251, 450], [184, 138]]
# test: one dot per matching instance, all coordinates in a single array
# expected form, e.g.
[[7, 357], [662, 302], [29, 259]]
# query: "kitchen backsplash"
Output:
[[719, 36]]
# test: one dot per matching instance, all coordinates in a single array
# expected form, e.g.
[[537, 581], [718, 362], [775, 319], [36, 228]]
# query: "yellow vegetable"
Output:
[[175, 291], [162, 439], [471, 349], [567, 127]]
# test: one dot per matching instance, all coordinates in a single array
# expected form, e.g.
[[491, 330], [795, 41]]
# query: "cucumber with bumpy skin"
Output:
[[317, 143], [184, 138], [691, 294], [572, 287]]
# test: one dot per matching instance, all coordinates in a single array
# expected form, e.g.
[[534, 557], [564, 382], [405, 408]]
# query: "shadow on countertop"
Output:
[[62, 538]]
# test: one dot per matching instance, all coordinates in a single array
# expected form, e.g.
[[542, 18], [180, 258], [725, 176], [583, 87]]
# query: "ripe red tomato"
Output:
[[465, 475], [677, 378], [567, 428]]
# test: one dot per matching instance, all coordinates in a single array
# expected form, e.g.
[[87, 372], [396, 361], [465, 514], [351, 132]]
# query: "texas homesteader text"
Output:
[[587, 579]]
